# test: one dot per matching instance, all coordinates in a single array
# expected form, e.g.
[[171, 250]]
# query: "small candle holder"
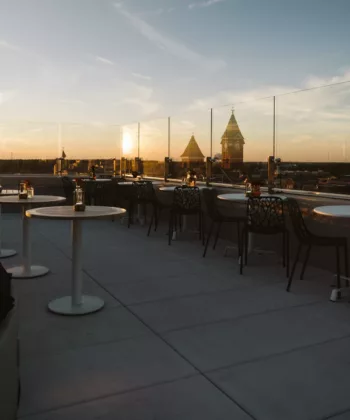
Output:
[[248, 189], [23, 190], [30, 192], [79, 202]]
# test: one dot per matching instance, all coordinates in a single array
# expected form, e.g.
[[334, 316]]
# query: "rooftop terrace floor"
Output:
[[180, 337]]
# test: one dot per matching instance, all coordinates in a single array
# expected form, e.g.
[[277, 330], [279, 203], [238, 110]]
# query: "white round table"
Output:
[[96, 180], [243, 197], [5, 253], [26, 269], [340, 211], [122, 183], [172, 187], [77, 303], [8, 192], [333, 211]]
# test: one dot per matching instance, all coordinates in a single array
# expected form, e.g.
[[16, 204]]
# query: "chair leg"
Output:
[[208, 238], [284, 248], [287, 247], [200, 217], [293, 268], [217, 235], [346, 262], [171, 228], [151, 222], [241, 250], [203, 228], [131, 209], [338, 267], [157, 217], [238, 239], [305, 262], [246, 233]]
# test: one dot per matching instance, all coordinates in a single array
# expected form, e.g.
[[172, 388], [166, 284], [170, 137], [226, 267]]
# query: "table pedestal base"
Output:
[[34, 271], [64, 306], [6, 253], [338, 294]]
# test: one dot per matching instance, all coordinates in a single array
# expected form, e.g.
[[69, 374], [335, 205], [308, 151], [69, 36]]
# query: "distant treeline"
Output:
[[34, 166]]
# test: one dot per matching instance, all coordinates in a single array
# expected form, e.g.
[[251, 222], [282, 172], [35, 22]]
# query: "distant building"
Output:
[[192, 154], [232, 143]]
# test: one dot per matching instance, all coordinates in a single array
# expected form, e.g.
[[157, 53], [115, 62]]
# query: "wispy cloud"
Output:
[[104, 60], [7, 95], [167, 44], [204, 4], [6, 45], [155, 12], [72, 102], [142, 76], [143, 97]]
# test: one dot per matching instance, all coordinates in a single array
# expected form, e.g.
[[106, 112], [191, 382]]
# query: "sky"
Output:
[[74, 71]]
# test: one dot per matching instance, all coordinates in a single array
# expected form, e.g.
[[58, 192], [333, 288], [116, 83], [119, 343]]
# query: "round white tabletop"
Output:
[[26, 269], [77, 303], [333, 211], [126, 183], [242, 196], [172, 188], [28, 202], [68, 213], [96, 180], [8, 192]]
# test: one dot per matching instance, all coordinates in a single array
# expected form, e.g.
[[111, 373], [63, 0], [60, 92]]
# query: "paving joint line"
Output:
[[106, 396], [163, 340], [282, 353], [180, 354]]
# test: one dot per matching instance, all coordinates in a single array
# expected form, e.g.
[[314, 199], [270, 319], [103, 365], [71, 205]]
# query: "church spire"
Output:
[[232, 143]]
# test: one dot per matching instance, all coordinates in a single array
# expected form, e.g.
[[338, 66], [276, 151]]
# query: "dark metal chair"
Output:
[[308, 239], [265, 216], [186, 201], [158, 207], [210, 201], [140, 192], [68, 188]]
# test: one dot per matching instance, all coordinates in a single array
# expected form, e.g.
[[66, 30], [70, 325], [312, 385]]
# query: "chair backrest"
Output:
[[68, 187], [186, 199], [297, 219], [210, 201], [144, 190], [265, 214]]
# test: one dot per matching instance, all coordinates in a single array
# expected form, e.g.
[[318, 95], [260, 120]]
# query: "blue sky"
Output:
[[117, 62]]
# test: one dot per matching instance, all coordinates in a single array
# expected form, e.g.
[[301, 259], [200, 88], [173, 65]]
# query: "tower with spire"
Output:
[[192, 154], [232, 144]]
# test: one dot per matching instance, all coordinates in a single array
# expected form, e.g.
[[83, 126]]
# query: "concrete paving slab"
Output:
[[229, 304], [101, 370], [232, 342], [57, 334], [186, 399], [307, 384]]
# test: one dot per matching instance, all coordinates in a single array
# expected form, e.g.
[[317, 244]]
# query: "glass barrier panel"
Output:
[[242, 140], [190, 143], [87, 145], [313, 133], [153, 146]]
